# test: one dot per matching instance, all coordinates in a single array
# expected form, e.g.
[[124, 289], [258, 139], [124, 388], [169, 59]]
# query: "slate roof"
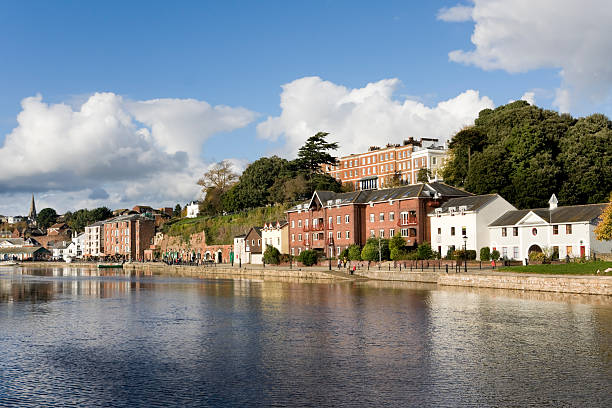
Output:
[[423, 190], [22, 250], [472, 203], [559, 215]]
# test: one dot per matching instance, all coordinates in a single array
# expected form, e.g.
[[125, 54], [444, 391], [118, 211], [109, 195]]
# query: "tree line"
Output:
[[526, 153], [270, 180]]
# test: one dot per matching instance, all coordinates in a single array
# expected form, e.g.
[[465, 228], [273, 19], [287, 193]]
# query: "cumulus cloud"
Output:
[[362, 117], [455, 14], [529, 97], [523, 35], [112, 149]]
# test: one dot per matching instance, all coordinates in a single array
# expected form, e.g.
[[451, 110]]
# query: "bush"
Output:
[[537, 256], [450, 253], [485, 254], [285, 258], [424, 251], [344, 254], [397, 242], [495, 255], [354, 252], [396, 254], [271, 255], [308, 257], [370, 251]]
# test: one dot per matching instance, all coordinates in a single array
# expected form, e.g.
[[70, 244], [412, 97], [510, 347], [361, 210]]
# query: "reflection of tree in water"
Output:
[[25, 291]]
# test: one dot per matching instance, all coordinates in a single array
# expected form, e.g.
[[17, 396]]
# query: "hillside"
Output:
[[222, 229]]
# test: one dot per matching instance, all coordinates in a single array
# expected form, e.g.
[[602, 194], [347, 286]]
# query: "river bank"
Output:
[[485, 278]]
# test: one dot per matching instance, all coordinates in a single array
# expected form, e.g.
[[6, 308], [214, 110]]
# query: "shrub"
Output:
[[450, 253], [354, 252], [397, 242], [397, 254], [308, 257], [370, 251], [495, 255], [537, 256], [485, 254], [271, 255], [424, 251], [344, 254]]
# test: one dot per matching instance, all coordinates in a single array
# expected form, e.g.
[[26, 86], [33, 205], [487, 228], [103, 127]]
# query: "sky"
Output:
[[121, 103]]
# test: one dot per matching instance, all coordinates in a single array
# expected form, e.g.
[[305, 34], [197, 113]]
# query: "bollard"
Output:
[[446, 268], [421, 266], [389, 267]]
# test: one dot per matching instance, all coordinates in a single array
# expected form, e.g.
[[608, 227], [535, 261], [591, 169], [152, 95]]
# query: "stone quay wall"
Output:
[[428, 277], [600, 285]]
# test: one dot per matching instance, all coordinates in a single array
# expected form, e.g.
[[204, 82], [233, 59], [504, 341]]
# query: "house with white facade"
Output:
[[463, 222], [193, 209], [275, 234], [566, 231], [240, 253], [94, 240]]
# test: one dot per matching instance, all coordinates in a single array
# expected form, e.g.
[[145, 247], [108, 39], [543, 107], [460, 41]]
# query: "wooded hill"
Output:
[[526, 154]]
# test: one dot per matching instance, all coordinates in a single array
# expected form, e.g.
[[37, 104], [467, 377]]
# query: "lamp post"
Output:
[[465, 253]]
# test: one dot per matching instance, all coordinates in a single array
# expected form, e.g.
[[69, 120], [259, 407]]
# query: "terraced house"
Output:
[[331, 222]]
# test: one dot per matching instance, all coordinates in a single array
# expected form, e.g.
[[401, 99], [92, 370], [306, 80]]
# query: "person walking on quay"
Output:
[[339, 263], [493, 263]]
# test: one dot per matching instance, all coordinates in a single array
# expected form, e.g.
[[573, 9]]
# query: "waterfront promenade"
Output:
[[474, 277]]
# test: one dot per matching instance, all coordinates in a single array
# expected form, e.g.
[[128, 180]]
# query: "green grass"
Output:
[[221, 229], [573, 268]]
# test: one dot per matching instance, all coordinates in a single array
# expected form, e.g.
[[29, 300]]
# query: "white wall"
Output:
[[240, 253], [193, 210], [271, 237]]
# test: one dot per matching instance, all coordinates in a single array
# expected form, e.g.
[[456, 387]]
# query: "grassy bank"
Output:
[[574, 268], [222, 229]]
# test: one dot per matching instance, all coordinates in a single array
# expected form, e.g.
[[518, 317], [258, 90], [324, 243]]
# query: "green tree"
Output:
[[495, 254], [220, 176], [424, 251], [466, 142], [354, 252], [271, 255], [315, 153], [46, 217], [376, 249], [177, 211], [603, 231], [308, 257], [423, 175], [397, 247], [485, 254]]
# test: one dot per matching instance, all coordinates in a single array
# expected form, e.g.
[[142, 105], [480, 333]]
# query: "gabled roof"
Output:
[[472, 203], [423, 190], [559, 215]]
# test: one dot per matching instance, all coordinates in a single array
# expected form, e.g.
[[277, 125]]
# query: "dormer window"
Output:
[[338, 201], [330, 202]]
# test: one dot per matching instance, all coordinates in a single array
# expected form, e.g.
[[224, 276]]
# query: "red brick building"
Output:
[[127, 236], [330, 222]]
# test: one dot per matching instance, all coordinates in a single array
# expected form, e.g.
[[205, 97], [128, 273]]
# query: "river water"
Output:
[[69, 337]]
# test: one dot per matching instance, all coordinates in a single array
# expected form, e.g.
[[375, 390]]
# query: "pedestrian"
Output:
[[353, 270], [339, 263], [493, 263], [345, 262]]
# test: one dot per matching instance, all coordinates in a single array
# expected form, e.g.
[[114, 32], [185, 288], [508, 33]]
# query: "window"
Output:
[[372, 217], [391, 216], [347, 219], [292, 223], [504, 232], [381, 216], [299, 237], [504, 252], [292, 237], [259, 242], [515, 231], [391, 233], [300, 223], [306, 223], [555, 230], [348, 234], [534, 231], [568, 250], [382, 233], [452, 231], [339, 235], [338, 219], [433, 160], [292, 251], [404, 232], [337, 250], [568, 229], [439, 231], [515, 254], [371, 233], [463, 231], [330, 221]]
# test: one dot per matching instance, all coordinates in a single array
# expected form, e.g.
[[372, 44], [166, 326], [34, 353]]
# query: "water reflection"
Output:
[[84, 337]]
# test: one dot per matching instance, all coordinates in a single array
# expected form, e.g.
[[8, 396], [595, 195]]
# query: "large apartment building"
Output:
[[128, 236], [378, 167], [331, 222]]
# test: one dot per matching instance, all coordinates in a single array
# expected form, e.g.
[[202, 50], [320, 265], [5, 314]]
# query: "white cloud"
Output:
[[110, 151], [523, 35], [456, 14], [362, 117], [529, 97]]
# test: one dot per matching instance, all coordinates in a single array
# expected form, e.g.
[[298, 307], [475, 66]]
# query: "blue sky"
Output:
[[240, 54]]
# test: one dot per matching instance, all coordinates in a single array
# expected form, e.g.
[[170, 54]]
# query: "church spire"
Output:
[[32, 213]]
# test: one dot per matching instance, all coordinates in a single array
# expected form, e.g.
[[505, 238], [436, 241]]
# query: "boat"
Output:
[[8, 263], [108, 266]]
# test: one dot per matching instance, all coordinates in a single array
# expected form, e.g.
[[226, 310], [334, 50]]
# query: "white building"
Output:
[[75, 248], [565, 231], [94, 240], [240, 253], [275, 234], [15, 219], [467, 217], [193, 209]]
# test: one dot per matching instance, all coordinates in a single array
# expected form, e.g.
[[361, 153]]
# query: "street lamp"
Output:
[[465, 252]]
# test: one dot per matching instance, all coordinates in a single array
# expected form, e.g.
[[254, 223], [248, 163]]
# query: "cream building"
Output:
[[275, 234], [94, 240]]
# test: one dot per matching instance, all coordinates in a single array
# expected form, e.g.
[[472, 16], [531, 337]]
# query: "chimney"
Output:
[[552, 203]]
